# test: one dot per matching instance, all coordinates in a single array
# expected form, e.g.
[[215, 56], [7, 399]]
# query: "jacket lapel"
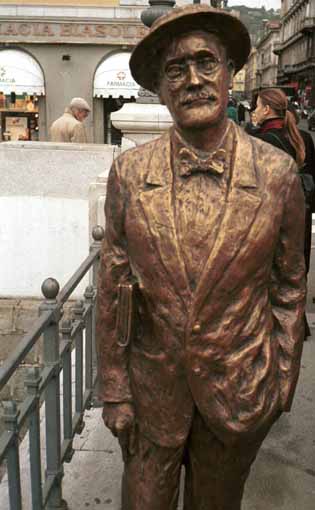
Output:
[[242, 204], [156, 202]]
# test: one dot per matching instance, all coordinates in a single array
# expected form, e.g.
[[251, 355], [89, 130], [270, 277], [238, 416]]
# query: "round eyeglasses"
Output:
[[203, 65]]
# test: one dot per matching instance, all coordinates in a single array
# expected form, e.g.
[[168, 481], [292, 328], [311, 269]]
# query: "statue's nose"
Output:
[[193, 77]]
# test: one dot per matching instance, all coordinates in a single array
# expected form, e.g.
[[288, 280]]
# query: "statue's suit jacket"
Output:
[[232, 346]]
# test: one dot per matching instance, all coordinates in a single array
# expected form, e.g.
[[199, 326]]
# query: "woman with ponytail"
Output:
[[277, 124], [278, 127]]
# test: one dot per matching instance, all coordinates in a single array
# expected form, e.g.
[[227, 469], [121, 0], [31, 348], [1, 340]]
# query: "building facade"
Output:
[[251, 74], [51, 51], [296, 49], [239, 84], [267, 60]]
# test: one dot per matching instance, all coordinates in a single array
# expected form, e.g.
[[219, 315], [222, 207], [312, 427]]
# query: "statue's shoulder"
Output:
[[267, 157], [140, 156]]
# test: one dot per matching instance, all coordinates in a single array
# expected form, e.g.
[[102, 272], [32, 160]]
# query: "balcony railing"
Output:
[[64, 344], [308, 25]]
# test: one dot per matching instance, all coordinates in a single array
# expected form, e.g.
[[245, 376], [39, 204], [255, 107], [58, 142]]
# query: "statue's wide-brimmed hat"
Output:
[[227, 27]]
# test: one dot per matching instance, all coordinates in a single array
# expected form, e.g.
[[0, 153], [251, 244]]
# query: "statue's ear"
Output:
[[158, 89], [231, 70], [160, 97]]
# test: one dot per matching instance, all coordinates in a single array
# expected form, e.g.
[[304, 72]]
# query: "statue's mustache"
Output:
[[196, 96]]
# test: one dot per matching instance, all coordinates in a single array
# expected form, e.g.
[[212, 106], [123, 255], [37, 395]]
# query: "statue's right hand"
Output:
[[120, 419]]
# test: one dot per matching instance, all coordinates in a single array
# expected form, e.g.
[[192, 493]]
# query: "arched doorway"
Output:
[[114, 84], [21, 87]]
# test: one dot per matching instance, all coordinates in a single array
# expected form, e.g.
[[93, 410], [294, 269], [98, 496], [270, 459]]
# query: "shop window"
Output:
[[18, 117], [113, 135]]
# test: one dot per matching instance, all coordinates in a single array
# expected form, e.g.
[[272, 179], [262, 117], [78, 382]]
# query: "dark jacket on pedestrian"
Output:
[[232, 112], [308, 168], [309, 162], [273, 132], [241, 113], [251, 129]]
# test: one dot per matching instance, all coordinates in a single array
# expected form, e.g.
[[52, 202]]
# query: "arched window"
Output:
[[113, 82], [20, 73], [21, 86]]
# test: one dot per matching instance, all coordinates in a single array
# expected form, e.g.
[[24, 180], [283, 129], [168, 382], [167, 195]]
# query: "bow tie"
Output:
[[190, 163]]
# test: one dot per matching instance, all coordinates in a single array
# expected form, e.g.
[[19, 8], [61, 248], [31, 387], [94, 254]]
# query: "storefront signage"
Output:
[[113, 77], [4, 79], [20, 73], [71, 32], [120, 79]]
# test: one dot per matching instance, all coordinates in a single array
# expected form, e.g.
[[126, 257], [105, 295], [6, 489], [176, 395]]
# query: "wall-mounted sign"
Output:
[[113, 78], [72, 32]]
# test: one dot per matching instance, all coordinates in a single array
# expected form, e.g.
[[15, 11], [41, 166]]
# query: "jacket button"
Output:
[[196, 328]]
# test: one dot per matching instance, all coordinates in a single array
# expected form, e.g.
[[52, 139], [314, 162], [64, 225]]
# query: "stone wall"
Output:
[[44, 207]]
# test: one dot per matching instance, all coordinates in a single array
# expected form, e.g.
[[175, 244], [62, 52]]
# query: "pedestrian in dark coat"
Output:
[[251, 127], [278, 127], [232, 111], [241, 113], [308, 168]]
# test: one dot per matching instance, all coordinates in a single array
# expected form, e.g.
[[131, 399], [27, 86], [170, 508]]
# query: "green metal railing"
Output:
[[65, 346]]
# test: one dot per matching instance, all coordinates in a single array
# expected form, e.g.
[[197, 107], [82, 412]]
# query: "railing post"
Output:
[[66, 329], [54, 471], [32, 382], [10, 416], [89, 295], [78, 311], [98, 234]]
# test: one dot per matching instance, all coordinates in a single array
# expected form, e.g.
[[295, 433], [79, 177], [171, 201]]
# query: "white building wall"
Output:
[[44, 210], [40, 237]]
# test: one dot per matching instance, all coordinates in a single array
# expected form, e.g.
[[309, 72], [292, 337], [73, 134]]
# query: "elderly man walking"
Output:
[[204, 239], [69, 127]]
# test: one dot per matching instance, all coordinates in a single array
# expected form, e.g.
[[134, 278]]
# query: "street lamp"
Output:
[[157, 8]]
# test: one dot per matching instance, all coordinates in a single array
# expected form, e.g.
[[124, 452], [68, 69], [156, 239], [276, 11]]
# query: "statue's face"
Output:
[[195, 80]]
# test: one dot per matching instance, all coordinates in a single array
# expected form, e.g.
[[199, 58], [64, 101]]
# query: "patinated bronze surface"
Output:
[[205, 225]]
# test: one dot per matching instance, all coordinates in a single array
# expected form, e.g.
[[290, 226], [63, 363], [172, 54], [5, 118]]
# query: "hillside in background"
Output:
[[254, 19]]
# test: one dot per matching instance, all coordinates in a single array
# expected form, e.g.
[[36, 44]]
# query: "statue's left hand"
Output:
[[120, 419]]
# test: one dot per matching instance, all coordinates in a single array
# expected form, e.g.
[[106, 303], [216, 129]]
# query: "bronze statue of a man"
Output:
[[204, 233]]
